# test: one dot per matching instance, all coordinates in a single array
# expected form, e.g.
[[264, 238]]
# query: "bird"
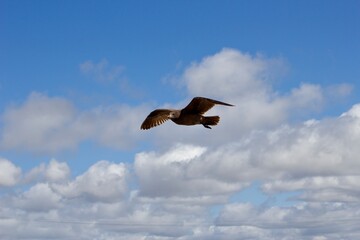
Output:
[[192, 114]]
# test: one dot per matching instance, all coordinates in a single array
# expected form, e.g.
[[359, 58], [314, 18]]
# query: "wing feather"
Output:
[[200, 105], [155, 118]]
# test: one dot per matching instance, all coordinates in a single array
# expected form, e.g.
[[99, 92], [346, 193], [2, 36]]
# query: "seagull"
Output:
[[192, 114]]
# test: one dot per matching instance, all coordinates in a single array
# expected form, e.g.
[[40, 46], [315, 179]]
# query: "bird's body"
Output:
[[187, 119], [192, 114]]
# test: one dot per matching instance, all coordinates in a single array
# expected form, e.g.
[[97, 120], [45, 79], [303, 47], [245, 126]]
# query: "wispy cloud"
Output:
[[112, 75], [102, 71]]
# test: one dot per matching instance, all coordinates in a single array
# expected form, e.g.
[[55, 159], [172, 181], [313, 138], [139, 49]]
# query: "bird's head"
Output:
[[174, 114]]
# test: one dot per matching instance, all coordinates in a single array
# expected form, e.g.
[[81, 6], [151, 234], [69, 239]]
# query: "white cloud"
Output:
[[41, 123], [39, 197], [325, 148], [241, 79], [118, 126], [353, 112], [177, 174], [104, 181], [230, 73], [54, 171], [97, 204], [52, 124], [307, 95], [57, 171], [317, 158], [9, 174], [245, 81], [308, 221], [319, 188]]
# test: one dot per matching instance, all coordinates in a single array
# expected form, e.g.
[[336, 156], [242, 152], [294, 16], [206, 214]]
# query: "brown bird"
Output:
[[192, 114]]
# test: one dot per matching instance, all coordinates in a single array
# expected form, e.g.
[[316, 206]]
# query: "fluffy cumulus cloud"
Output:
[[247, 82], [9, 174], [179, 175], [57, 171], [37, 124], [102, 182], [315, 155], [243, 80], [39, 197], [54, 171], [192, 183], [51, 124]]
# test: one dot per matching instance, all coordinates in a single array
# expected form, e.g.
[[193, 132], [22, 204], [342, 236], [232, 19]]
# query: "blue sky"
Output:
[[77, 78]]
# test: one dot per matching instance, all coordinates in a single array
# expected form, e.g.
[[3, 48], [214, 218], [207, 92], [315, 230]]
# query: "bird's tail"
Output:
[[212, 121]]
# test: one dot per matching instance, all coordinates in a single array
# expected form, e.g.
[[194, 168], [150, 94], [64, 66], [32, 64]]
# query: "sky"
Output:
[[77, 78]]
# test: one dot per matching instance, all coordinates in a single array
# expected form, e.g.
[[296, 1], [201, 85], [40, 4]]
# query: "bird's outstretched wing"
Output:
[[155, 118], [200, 105]]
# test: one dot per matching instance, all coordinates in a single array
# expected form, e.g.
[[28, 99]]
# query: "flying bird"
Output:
[[192, 114]]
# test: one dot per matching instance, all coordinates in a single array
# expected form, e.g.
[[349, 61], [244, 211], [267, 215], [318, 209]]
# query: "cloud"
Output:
[[103, 181], [41, 123], [110, 75], [307, 95], [240, 77], [319, 188], [177, 174], [340, 90], [53, 172], [322, 148], [57, 171], [179, 190], [318, 158], [307, 221], [101, 71], [117, 126], [53, 124], [39, 197], [9, 174], [246, 81], [230, 73]]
